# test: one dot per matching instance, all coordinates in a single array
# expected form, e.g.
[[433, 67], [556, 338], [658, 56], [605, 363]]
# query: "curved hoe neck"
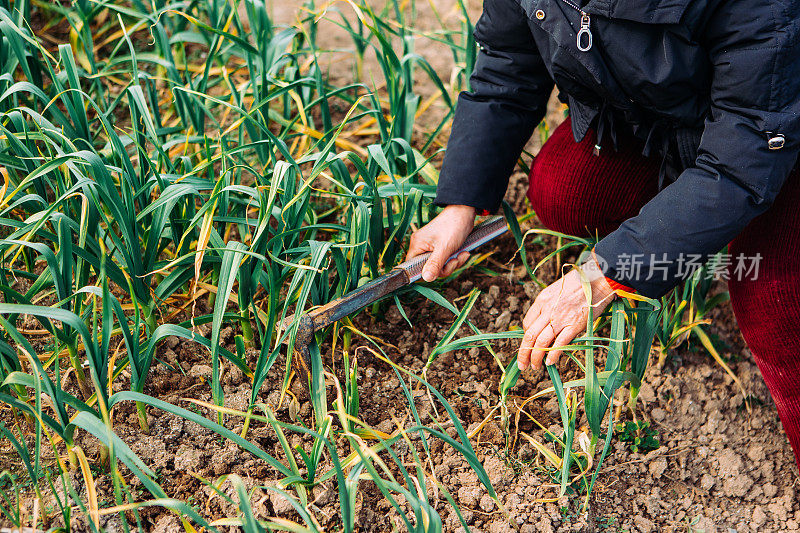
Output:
[[357, 299]]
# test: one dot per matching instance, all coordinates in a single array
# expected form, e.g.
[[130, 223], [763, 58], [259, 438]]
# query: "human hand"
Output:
[[560, 313], [443, 236]]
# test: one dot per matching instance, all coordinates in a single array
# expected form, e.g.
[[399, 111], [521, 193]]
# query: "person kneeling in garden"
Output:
[[683, 137]]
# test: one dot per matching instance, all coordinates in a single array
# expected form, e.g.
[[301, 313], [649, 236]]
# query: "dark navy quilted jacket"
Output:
[[711, 85]]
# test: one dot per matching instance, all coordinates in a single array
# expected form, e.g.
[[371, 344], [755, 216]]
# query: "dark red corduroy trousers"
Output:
[[574, 191]]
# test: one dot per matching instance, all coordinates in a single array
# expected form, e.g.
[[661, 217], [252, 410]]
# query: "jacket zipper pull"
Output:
[[585, 34]]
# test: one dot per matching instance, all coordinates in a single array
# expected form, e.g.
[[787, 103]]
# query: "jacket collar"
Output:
[[644, 11]]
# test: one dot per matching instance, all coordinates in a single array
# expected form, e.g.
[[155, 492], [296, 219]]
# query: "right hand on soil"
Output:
[[443, 236]]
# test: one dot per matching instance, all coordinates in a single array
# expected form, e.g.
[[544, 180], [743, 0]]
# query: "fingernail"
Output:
[[520, 365], [427, 276]]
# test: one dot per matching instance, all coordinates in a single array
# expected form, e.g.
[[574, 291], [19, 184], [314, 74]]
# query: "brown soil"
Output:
[[720, 467]]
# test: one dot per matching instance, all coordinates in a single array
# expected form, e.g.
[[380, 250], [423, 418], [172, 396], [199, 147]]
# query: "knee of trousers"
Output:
[[560, 207], [766, 300], [568, 194], [576, 192], [558, 190], [767, 309]]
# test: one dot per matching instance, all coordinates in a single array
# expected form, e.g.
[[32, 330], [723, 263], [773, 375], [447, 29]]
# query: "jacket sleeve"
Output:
[[510, 88], [755, 97]]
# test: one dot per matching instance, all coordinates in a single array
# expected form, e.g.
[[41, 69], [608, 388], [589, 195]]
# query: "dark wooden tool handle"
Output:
[[401, 275]]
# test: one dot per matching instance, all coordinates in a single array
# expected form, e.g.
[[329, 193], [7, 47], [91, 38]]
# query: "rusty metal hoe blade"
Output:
[[400, 276]]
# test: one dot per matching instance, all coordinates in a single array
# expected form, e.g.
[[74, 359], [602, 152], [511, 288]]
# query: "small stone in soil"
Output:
[[280, 505], [469, 496], [200, 371], [643, 524], [487, 503], [503, 321], [657, 467]]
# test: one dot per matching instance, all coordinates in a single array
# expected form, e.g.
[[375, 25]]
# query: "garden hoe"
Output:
[[400, 276]]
